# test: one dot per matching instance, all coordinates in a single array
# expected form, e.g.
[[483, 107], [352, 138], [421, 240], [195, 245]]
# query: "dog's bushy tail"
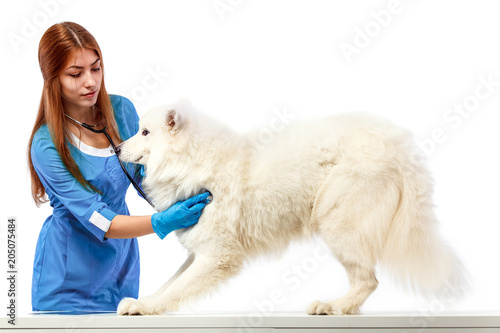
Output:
[[415, 252]]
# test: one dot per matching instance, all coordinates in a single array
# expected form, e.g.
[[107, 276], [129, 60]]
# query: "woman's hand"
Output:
[[180, 215]]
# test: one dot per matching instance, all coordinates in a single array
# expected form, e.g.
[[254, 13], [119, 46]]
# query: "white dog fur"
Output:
[[355, 180]]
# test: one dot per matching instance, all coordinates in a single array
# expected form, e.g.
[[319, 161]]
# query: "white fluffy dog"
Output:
[[355, 180]]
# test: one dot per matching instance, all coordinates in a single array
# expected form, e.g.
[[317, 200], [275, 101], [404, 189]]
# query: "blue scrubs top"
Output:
[[76, 268]]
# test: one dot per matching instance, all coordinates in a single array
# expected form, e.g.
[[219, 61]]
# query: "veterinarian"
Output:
[[87, 256]]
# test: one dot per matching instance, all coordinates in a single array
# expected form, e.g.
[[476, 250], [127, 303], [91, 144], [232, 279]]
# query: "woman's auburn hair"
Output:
[[58, 46]]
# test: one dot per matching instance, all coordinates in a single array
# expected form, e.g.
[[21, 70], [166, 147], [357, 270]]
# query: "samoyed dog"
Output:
[[354, 180]]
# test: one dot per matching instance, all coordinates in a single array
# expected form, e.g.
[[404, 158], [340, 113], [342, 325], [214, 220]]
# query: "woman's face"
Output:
[[81, 80]]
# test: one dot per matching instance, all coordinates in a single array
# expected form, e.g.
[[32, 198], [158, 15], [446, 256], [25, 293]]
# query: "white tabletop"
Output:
[[265, 322]]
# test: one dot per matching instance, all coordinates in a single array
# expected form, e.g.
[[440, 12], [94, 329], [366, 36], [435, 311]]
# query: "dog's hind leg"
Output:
[[201, 277], [363, 282], [353, 214]]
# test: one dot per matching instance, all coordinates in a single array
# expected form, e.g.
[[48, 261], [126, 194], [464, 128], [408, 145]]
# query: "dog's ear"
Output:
[[174, 121]]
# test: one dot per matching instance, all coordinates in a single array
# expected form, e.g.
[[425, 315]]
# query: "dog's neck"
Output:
[[203, 164]]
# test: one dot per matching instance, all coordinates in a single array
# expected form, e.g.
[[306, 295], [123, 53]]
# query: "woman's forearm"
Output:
[[124, 226]]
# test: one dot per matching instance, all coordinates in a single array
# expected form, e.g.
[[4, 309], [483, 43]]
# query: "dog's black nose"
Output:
[[118, 149]]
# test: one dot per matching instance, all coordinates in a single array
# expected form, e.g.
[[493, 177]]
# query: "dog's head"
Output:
[[173, 143], [160, 133]]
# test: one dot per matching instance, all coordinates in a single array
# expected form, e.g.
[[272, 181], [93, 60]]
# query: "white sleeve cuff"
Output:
[[100, 221]]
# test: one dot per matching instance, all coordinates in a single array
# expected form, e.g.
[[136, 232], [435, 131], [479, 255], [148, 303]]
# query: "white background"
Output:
[[242, 61]]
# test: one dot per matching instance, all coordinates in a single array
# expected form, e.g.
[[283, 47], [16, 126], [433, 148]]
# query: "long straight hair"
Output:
[[59, 45]]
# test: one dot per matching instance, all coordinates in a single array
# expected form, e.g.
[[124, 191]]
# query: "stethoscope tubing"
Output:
[[103, 131]]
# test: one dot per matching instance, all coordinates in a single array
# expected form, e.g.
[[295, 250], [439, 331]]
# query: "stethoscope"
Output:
[[115, 149]]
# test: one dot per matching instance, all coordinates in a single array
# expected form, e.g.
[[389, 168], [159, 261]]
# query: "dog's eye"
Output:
[[145, 132]]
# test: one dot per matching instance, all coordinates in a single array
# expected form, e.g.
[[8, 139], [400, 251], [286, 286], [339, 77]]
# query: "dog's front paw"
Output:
[[142, 307], [124, 306], [130, 306]]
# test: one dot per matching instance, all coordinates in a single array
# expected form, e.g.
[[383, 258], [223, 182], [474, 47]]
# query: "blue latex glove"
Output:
[[180, 215]]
